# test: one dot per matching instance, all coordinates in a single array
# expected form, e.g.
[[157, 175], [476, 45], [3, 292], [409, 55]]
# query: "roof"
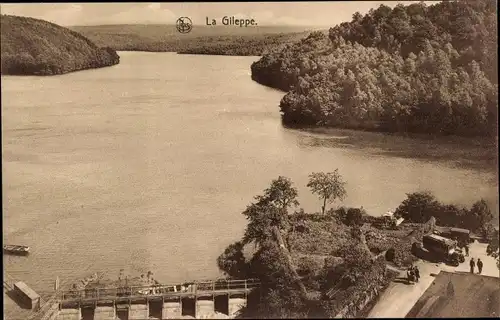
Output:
[[388, 214], [439, 238], [457, 295], [26, 290], [460, 230]]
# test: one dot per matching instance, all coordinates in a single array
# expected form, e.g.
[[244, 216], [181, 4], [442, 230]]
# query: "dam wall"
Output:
[[221, 307]]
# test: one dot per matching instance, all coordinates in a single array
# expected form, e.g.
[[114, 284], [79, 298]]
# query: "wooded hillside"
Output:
[[415, 68], [216, 40], [36, 47]]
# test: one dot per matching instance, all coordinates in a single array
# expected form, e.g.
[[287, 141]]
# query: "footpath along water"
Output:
[[148, 165]]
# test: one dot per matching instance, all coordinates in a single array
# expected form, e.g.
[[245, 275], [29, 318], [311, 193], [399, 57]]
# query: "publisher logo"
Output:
[[184, 25]]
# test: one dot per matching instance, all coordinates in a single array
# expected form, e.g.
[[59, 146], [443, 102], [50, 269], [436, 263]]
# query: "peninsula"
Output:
[[410, 69], [334, 263]]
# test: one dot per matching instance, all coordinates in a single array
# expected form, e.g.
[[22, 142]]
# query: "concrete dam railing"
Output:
[[207, 299]]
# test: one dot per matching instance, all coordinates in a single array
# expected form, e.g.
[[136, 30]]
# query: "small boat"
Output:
[[15, 249]]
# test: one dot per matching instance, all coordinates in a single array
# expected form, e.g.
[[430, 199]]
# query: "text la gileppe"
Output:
[[231, 21]]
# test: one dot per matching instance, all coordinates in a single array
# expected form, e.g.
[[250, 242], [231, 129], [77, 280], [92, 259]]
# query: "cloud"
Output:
[[62, 14], [73, 14], [290, 21], [299, 13], [154, 6], [263, 16], [150, 13], [267, 18]]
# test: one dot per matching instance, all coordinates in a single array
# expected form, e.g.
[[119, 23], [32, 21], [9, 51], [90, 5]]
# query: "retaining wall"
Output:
[[352, 309], [104, 313], [70, 314], [138, 312], [171, 310], [204, 308]]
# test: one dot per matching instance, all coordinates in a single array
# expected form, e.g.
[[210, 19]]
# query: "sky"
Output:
[[265, 13]]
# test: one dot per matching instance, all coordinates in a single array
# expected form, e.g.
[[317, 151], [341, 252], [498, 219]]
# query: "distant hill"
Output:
[[36, 47], [218, 40]]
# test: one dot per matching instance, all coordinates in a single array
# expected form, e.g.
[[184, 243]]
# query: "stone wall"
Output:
[[352, 309], [52, 312], [138, 312], [204, 307], [171, 310], [105, 313], [359, 302], [69, 314]]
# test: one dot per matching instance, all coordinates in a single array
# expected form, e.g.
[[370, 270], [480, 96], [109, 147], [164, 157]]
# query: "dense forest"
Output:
[[413, 68], [36, 47], [242, 45], [201, 40]]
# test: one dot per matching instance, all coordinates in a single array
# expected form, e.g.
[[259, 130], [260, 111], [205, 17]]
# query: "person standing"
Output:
[[480, 265], [417, 273], [410, 275], [472, 265], [466, 250]]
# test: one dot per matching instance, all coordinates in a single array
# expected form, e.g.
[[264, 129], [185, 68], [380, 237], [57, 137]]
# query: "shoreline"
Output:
[[456, 151]]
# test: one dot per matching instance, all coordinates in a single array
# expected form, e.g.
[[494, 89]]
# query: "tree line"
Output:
[[255, 45], [421, 206], [204, 40], [413, 68]]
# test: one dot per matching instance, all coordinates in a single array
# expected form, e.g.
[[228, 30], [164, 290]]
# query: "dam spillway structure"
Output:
[[199, 300]]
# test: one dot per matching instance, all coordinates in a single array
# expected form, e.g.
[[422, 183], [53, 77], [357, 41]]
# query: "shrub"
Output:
[[390, 254], [354, 217]]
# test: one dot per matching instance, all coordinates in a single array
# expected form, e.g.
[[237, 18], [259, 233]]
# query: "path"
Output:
[[478, 251], [398, 299]]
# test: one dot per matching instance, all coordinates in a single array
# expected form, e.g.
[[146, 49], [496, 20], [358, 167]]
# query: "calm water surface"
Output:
[[147, 165]]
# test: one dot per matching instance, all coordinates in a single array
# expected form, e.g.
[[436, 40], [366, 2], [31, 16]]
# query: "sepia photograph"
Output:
[[250, 160]]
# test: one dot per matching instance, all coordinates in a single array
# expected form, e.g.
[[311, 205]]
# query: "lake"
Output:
[[147, 165]]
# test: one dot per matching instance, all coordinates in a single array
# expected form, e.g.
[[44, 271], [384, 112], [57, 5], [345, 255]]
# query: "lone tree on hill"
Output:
[[282, 194], [328, 186], [270, 210]]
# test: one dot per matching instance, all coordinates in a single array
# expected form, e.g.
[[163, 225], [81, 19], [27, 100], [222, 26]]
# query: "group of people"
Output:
[[473, 265], [413, 274]]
